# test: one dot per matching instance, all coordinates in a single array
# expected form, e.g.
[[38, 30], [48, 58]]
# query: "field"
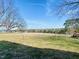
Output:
[[38, 46]]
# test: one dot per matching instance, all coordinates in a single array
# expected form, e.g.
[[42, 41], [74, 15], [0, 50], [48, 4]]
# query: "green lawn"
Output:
[[38, 46]]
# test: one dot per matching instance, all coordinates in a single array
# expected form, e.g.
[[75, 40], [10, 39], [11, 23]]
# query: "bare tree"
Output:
[[10, 18]]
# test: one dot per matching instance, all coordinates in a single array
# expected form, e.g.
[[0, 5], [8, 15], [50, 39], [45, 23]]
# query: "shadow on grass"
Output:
[[9, 50]]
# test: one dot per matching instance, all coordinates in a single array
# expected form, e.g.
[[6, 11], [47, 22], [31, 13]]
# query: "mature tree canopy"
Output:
[[72, 24]]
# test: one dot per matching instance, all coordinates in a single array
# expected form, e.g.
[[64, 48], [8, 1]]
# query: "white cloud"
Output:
[[48, 7]]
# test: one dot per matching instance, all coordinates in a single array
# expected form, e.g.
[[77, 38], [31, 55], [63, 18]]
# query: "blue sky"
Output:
[[39, 13]]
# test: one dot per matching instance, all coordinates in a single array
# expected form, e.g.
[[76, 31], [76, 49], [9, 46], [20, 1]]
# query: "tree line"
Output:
[[55, 31]]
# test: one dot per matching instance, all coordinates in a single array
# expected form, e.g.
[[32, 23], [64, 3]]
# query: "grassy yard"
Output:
[[38, 46]]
